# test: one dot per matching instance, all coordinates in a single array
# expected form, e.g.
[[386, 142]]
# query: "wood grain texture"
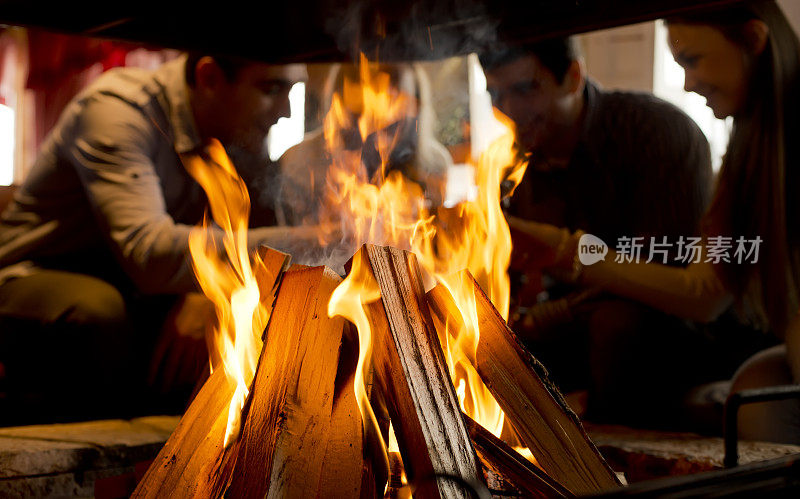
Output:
[[193, 459], [376, 463], [268, 273], [285, 434], [522, 473], [342, 467], [534, 406], [409, 365], [193, 452]]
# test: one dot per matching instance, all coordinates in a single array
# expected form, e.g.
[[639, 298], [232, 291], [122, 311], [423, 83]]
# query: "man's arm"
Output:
[[112, 149], [695, 292]]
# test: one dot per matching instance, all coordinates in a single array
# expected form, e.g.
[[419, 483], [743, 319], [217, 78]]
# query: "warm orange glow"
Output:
[[348, 300], [223, 268], [477, 238], [367, 209], [527, 454], [376, 207], [388, 209]]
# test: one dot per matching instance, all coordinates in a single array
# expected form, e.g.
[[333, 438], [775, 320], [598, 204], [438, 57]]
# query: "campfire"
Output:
[[402, 373]]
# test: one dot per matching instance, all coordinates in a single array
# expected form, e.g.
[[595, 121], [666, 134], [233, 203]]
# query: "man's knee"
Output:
[[97, 303], [51, 297]]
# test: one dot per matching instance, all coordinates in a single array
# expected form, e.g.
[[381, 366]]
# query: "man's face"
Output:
[[528, 93], [252, 102]]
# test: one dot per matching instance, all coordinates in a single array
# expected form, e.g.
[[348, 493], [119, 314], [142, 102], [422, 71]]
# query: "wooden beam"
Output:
[[268, 268], [285, 433], [522, 473], [409, 365], [532, 404], [192, 460], [343, 465]]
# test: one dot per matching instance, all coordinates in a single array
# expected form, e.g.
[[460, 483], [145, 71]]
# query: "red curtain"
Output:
[[60, 66], [40, 72]]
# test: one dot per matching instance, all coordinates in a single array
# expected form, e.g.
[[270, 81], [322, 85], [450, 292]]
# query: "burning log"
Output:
[[411, 370], [287, 423], [344, 463], [532, 481], [533, 405], [192, 458], [377, 464], [270, 266]]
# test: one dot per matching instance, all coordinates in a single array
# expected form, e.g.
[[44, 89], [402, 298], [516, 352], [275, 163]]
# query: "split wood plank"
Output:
[[411, 370], [285, 433], [377, 464], [268, 272], [343, 465], [532, 403], [187, 462], [522, 473], [192, 460]]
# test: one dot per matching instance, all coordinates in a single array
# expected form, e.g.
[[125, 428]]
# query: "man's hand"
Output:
[[296, 240], [545, 247], [537, 244]]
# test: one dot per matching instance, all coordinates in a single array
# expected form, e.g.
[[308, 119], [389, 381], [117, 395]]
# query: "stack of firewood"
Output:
[[302, 434]]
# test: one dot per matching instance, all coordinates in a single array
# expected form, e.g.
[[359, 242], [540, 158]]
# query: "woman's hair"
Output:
[[759, 185]]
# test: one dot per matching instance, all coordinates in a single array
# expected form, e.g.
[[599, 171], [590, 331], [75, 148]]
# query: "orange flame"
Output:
[[348, 300], [391, 210], [380, 208], [364, 210], [226, 276], [480, 241]]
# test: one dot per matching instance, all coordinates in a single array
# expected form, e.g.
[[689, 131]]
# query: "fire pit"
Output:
[[272, 418], [402, 375]]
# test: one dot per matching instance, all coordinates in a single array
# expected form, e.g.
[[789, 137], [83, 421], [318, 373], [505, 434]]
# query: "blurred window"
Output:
[[288, 132], [6, 145]]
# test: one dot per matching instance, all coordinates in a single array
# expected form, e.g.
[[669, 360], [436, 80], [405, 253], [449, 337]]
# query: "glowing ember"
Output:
[[526, 453]]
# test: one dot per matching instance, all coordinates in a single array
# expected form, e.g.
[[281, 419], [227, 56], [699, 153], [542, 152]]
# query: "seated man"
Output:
[[614, 164], [94, 247]]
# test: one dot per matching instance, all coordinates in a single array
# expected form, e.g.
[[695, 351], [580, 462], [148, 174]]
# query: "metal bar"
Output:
[[736, 401]]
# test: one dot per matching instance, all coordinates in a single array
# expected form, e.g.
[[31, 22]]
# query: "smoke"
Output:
[[279, 196], [297, 187], [412, 31]]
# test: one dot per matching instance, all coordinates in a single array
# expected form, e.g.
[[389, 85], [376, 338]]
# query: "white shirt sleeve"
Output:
[[111, 152]]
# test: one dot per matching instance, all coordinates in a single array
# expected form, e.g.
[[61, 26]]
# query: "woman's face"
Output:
[[715, 67]]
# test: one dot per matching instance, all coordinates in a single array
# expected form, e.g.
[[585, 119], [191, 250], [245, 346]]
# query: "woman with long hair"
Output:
[[746, 61]]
